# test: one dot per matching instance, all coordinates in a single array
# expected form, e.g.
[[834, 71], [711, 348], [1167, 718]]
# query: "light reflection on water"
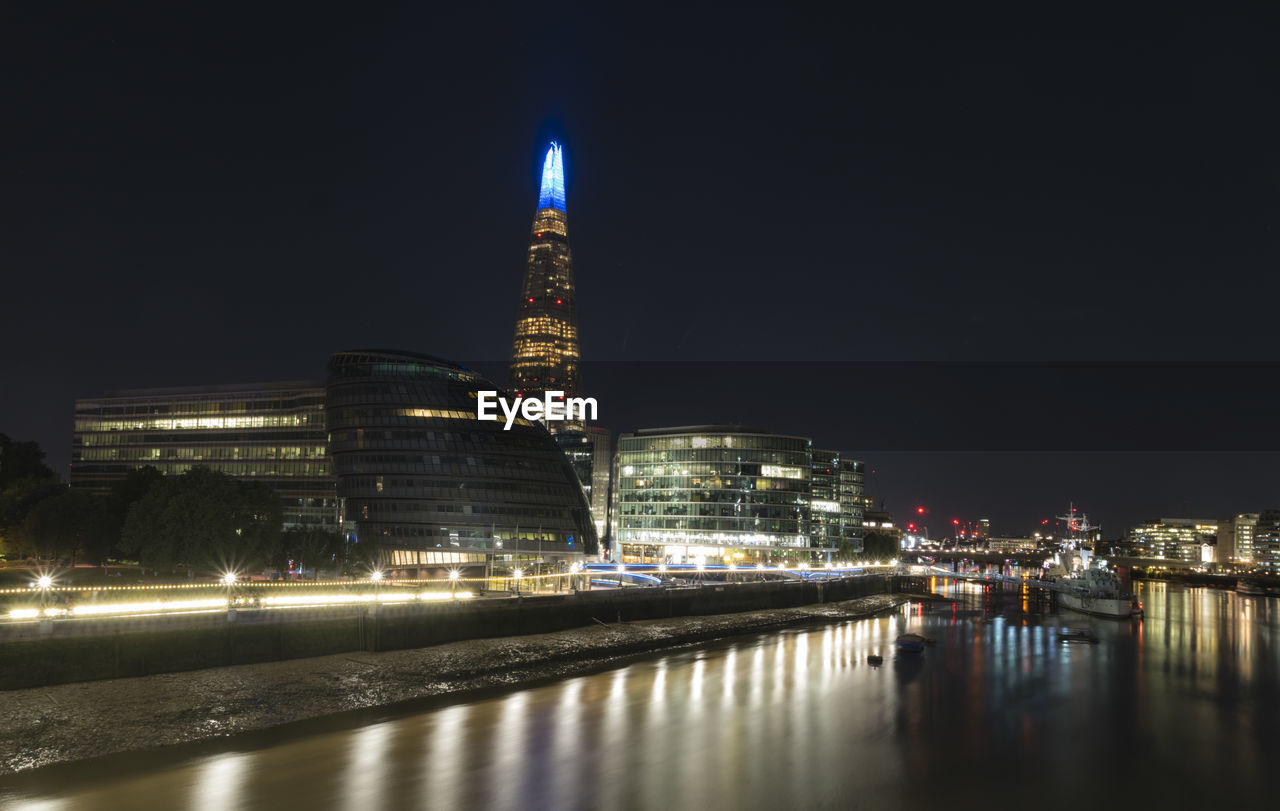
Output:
[[1175, 709]]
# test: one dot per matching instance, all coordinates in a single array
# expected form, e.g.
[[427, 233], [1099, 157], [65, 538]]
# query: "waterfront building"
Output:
[[881, 523], [721, 494], [824, 504], [272, 433], [729, 494], [420, 477], [1187, 539], [544, 353], [851, 492], [590, 453], [1012, 545], [1265, 542], [1235, 538]]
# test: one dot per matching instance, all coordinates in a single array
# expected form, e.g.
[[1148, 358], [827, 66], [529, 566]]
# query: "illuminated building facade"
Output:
[[544, 354], [851, 493], [1265, 544], [590, 454], [272, 433], [1185, 539], [723, 494], [1235, 538], [432, 486], [824, 506]]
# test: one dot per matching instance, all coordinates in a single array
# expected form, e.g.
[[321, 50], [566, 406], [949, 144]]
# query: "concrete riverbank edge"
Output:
[[69, 722]]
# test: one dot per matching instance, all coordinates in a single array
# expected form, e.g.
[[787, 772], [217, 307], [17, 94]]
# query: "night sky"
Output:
[[877, 230]]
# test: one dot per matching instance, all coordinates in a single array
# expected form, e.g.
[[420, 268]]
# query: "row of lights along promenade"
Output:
[[44, 600]]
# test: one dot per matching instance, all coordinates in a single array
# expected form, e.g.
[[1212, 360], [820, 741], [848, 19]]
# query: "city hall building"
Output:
[[420, 477], [728, 494]]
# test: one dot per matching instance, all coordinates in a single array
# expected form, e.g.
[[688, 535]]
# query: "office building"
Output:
[[272, 433], [1187, 539], [728, 494]]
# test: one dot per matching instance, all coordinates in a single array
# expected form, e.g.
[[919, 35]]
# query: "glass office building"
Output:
[[590, 454], [431, 485], [272, 433], [711, 493]]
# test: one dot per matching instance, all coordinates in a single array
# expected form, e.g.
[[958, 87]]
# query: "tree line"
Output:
[[199, 521]]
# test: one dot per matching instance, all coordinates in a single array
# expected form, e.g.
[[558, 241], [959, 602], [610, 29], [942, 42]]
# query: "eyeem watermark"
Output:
[[552, 406]]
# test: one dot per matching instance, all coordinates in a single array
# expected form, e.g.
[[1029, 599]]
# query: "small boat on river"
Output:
[[912, 643]]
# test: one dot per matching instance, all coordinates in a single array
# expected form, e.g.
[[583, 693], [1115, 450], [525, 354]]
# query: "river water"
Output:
[[1182, 708]]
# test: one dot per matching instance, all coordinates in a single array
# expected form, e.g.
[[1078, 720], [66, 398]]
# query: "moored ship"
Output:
[[1098, 591]]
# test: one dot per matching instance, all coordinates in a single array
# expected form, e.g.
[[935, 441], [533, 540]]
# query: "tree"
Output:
[[313, 547], [204, 519], [72, 524], [880, 547], [21, 460], [25, 481]]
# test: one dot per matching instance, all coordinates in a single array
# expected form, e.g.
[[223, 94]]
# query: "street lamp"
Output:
[[454, 574], [44, 582], [515, 579], [621, 569], [229, 580]]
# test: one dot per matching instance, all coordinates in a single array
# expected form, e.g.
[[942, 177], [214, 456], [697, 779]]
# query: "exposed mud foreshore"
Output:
[[48, 725]]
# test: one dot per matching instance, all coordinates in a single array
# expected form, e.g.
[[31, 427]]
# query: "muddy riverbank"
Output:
[[47, 725]]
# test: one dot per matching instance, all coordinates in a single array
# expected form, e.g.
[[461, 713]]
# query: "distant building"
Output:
[[272, 433], [824, 504], [728, 494], [1190, 540], [880, 523], [1235, 538], [1013, 545], [1266, 541], [420, 477], [590, 453], [851, 494]]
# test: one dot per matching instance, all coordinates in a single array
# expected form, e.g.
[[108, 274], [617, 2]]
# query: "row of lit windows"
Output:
[[310, 436], [724, 510], [633, 526], [265, 469], [726, 535], [680, 442], [211, 454], [196, 423], [411, 557], [407, 510], [312, 401], [548, 326]]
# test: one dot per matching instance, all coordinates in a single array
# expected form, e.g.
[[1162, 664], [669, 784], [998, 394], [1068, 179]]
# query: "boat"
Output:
[[875, 659], [911, 643], [1077, 635], [1097, 591], [1249, 587]]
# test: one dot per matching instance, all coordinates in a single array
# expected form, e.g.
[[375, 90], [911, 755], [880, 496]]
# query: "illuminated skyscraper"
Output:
[[544, 355]]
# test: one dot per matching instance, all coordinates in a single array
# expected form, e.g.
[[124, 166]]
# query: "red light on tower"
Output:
[[955, 521], [530, 300], [919, 510], [559, 301], [911, 527]]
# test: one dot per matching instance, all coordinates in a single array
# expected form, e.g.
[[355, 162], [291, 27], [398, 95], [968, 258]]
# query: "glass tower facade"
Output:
[[711, 493], [544, 354], [273, 433], [428, 483]]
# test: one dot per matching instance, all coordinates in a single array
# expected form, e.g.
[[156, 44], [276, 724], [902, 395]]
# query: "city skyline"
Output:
[[883, 236]]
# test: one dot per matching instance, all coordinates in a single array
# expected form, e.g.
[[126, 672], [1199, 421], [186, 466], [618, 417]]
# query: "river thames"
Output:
[[1178, 709]]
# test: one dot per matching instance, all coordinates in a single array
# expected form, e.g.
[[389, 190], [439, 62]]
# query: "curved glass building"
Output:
[[428, 483]]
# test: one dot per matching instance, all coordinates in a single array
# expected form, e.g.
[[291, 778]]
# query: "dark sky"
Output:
[[207, 195]]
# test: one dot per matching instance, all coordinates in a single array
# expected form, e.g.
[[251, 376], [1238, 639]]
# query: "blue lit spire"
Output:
[[552, 195]]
